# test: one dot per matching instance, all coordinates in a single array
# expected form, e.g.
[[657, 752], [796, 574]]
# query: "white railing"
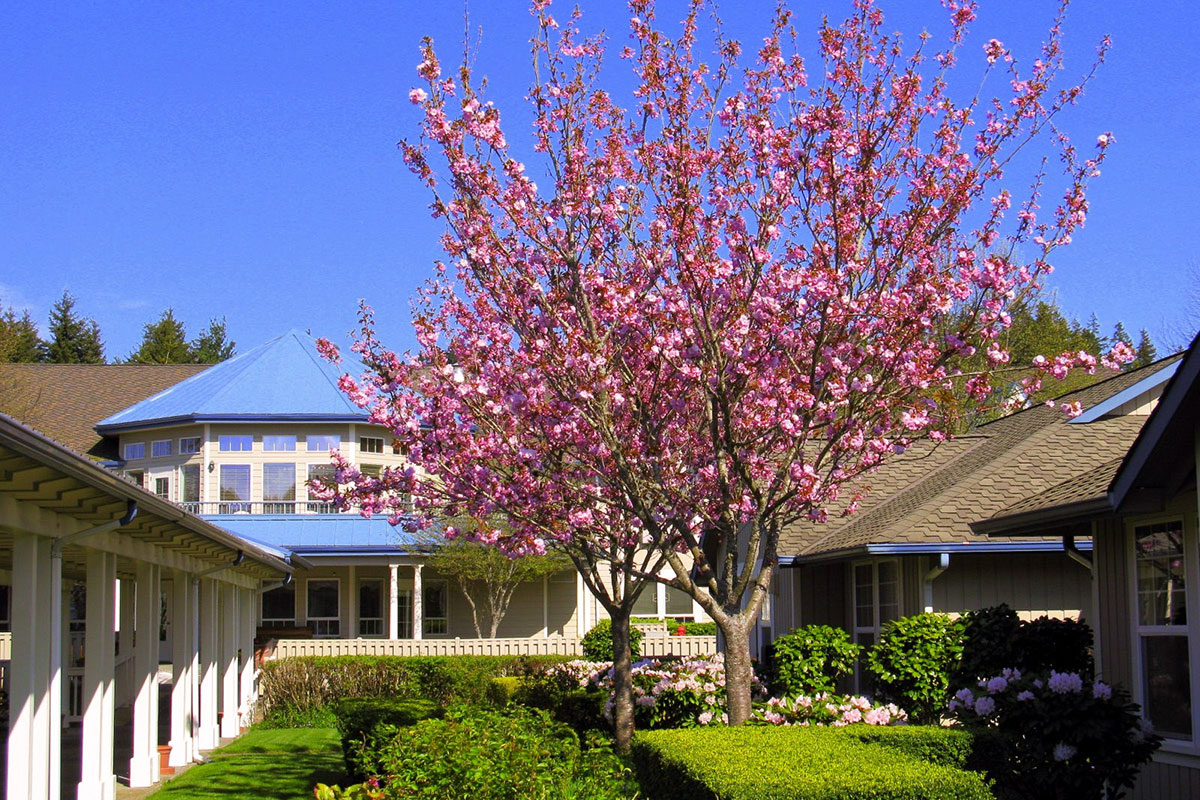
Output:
[[526, 646], [259, 507]]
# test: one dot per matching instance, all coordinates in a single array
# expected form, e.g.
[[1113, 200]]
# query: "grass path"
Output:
[[279, 764]]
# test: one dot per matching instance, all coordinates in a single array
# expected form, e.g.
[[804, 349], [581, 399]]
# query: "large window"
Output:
[[235, 488], [235, 444], [1162, 626], [162, 488], [189, 483], [323, 618], [160, 448], [436, 609], [324, 443], [325, 474], [370, 444], [135, 450], [876, 602], [279, 488], [189, 445], [279, 607], [279, 443], [370, 607]]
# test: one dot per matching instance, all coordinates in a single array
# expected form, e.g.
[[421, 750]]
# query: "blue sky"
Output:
[[239, 159]]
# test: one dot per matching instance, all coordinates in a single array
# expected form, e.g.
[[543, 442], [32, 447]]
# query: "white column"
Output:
[[581, 595], [418, 597], [231, 630], [30, 761], [660, 596], [393, 601], [58, 627], [96, 780], [545, 605], [249, 618], [351, 602], [125, 619], [208, 736], [143, 763], [183, 654]]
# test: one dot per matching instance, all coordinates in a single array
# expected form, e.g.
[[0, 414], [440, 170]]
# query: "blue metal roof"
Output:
[[320, 534], [285, 379]]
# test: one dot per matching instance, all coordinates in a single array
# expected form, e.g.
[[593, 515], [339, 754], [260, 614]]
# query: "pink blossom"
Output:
[[417, 96]]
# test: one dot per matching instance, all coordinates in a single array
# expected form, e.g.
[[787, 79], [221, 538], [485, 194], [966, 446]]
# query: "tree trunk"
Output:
[[622, 680], [738, 671]]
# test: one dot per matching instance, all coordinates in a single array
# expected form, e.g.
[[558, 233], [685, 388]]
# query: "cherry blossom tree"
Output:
[[736, 290]]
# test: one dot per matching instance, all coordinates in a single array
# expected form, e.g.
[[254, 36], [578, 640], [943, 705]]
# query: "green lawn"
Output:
[[279, 764]]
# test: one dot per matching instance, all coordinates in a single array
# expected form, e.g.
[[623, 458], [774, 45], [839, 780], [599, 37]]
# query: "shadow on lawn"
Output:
[[277, 776]]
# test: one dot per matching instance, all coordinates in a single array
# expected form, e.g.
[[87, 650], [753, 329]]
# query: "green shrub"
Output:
[[700, 628], [912, 662], [365, 723], [295, 687], [791, 763], [494, 755], [561, 697], [988, 636], [501, 690], [950, 747], [597, 643], [1048, 644], [812, 660]]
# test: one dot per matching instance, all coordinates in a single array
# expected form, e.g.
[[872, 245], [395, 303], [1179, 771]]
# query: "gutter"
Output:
[[1073, 553], [1014, 524], [931, 548]]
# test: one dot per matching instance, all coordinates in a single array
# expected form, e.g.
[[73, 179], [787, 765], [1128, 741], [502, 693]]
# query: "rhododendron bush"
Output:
[[707, 305]]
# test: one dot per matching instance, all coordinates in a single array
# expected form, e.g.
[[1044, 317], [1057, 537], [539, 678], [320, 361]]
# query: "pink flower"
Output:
[[417, 96]]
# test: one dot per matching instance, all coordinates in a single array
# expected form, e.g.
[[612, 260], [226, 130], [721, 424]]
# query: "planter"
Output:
[[164, 758]]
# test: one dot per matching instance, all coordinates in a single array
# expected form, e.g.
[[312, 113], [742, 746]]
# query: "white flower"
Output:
[[1064, 682], [984, 706]]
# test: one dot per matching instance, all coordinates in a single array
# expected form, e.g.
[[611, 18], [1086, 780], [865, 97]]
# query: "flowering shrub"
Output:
[[827, 709], [1057, 736]]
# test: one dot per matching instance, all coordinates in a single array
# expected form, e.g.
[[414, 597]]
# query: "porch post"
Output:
[[351, 605], [96, 780], [580, 606], [143, 763], [393, 601], [31, 760], [125, 618], [249, 618], [209, 735], [183, 654], [231, 628], [56, 627], [417, 605]]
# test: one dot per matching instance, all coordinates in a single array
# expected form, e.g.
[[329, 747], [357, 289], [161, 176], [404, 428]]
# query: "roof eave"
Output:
[[1021, 523], [197, 419], [927, 548]]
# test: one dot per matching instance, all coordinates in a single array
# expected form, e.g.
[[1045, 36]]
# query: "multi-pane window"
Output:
[[324, 473], [235, 488], [279, 488], [370, 444], [189, 445], [279, 443], [162, 488], [1162, 627], [160, 448], [323, 443], [370, 607], [323, 619], [398, 449], [876, 602], [136, 477], [135, 450], [279, 607], [189, 483], [404, 613], [235, 444], [436, 609]]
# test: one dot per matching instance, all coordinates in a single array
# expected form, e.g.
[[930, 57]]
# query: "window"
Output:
[[137, 477], [324, 443], [235, 444], [235, 489], [189, 445], [404, 614], [876, 602], [322, 614], [370, 607], [679, 603], [135, 450], [189, 483], [325, 474], [370, 444], [398, 449], [279, 607], [436, 609], [371, 470], [1162, 627], [160, 448], [647, 603], [279, 444], [162, 488], [279, 488]]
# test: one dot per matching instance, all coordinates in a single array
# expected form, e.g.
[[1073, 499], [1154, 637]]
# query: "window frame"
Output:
[[154, 443], [184, 451], [876, 627], [426, 586], [311, 442], [1189, 630], [378, 631], [235, 438], [139, 447], [162, 486], [273, 505], [263, 619], [330, 631], [271, 442], [182, 483], [228, 506], [377, 442]]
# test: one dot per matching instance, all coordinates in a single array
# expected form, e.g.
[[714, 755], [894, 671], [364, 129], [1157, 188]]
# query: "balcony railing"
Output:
[[260, 507]]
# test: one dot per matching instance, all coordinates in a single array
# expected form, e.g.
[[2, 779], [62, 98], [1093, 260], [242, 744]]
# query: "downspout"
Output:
[[287, 579], [1073, 552], [943, 564], [238, 559], [131, 511]]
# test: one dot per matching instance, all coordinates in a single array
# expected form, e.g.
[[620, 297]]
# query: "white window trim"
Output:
[[221, 449], [1191, 562], [308, 443], [877, 626], [199, 482], [125, 451], [365, 451], [199, 443], [154, 442], [425, 618], [293, 443], [309, 618], [263, 619], [382, 618]]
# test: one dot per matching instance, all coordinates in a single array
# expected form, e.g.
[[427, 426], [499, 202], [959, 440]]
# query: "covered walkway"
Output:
[[65, 520]]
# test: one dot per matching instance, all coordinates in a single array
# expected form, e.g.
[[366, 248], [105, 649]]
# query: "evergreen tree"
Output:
[[1119, 334], [212, 346], [164, 341], [19, 340], [73, 339], [1147, 353], [1093, 328]]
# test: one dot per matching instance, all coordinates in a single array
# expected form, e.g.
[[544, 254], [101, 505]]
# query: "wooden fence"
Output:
[[653, 646]]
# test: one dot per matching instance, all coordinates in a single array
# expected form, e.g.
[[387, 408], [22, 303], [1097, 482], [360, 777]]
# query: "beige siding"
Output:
[[1112, 576], [1034, 584], [1158, 781], [1141, 405]]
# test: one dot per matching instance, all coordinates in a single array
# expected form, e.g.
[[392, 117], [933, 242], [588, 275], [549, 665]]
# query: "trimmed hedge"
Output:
[[795, 763], [366, 723], [295, 687], [950, 747]]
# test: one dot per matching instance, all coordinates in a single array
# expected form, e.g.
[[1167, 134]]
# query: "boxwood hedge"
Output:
[[794, 763], [366, 723]]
